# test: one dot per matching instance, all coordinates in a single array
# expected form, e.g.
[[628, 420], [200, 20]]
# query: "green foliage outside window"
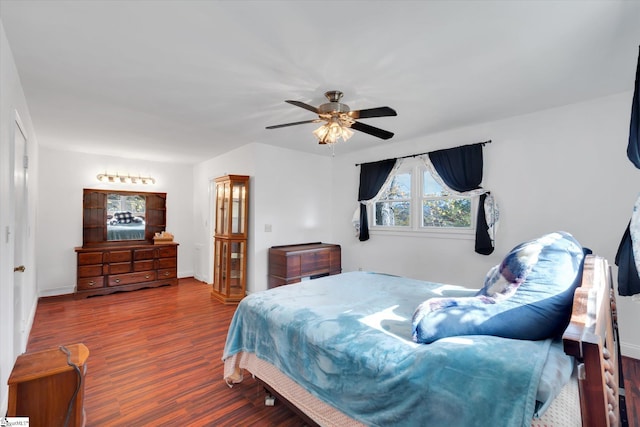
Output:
[[125, 203], [446, 213], [440, 209], [394, 207]]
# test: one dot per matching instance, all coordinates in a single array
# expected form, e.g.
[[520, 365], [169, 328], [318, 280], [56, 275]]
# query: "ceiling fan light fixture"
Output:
[[332, 131], [339, 119]]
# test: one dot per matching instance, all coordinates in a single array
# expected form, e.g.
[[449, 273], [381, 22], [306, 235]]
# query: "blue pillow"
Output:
[[527, 296], [123, 217]]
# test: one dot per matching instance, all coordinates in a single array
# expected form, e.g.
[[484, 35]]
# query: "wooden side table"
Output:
[[43, 385]]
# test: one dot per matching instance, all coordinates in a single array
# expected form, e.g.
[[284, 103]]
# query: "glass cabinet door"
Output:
[[238, 208], [236, 279], [218, 265], [222, 208]]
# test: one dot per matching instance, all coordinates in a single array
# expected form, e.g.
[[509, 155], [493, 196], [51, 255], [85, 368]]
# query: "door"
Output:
[[20, 237]]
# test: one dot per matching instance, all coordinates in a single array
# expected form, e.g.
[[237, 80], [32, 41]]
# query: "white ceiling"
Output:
[[188, 80]]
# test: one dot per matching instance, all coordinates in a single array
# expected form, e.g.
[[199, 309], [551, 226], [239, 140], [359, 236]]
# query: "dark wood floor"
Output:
[[155, 359]]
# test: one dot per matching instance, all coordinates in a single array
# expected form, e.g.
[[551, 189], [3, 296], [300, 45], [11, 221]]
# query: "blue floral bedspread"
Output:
[[347, 339]]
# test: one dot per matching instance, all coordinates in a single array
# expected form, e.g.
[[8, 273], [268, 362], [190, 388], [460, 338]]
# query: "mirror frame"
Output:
[[94, 216]]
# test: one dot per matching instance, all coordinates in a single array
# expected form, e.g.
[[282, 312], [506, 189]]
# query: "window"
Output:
[[442, 210], [393, 208], [134, 203], [414, 201]]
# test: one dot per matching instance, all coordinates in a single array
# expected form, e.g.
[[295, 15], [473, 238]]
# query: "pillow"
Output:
[[527, 296], [123, 217]]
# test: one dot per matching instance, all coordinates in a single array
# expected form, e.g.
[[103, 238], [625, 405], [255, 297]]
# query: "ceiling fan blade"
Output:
[[293, 124], [303, 105], [371, 130], [373, 112]]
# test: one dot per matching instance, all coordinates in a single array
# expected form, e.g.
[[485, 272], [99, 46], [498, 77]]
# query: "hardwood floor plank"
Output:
[[156, 359], [631, 373]]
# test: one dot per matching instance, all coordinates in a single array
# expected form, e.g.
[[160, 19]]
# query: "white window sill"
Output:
[[447, 233]]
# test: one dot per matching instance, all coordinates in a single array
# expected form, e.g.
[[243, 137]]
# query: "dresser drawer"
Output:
[[168, 251], [118, 256], [119, 267], [143, 265], [168, 273], [167, 262], [125, 279], [139, 254], [88, 258], [90, 283], [89, 270]]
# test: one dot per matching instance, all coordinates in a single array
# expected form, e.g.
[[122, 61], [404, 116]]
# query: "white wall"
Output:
[[240, 161], [293, 196], [560, 169], [13, 101], [63, 175], [289, 190]]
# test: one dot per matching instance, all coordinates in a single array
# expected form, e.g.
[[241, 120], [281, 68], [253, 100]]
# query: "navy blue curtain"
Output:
[[628, 279], [484, 245], [633, 149], [461, 169], [372, 177]]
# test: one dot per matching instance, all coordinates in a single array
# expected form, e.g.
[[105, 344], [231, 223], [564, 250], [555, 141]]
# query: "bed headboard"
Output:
[[592, 338]]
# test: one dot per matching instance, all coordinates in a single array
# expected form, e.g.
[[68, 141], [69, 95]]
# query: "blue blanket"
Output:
[[133, 231], [347, 339]]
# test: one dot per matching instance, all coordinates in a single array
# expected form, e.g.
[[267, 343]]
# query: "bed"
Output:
[[341, 350], [125, 226]]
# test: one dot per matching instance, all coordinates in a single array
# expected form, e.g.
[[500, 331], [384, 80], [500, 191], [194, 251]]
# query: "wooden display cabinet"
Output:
[[230, 238]]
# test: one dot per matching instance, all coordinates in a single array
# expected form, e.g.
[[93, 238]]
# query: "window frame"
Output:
[[416, 167]]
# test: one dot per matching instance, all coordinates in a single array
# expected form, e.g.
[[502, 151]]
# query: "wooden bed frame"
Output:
[[591, 338]]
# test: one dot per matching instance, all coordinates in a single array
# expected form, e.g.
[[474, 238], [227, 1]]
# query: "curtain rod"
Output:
[[420, 154]]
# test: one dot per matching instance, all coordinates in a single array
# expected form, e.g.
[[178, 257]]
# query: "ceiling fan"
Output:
[[339, 119]]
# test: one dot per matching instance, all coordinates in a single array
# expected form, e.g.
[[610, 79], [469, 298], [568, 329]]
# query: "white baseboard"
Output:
[[183, 274], [57, 291], [202, 279], [630, 350]]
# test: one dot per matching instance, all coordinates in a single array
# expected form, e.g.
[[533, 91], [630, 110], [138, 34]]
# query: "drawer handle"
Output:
[[117, 280], [166, 273], [146, 276], [91, 283]]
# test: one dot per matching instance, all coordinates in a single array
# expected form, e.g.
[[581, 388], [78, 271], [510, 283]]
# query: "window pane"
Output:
[[446, 213], [126, 203], [400, 188], [393, 214], [430, 187]]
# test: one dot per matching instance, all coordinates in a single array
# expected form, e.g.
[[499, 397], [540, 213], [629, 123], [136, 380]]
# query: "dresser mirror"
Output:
[[111, 216], [125, 216]]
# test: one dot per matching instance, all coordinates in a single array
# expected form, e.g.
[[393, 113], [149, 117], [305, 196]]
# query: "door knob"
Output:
[[20, 268]]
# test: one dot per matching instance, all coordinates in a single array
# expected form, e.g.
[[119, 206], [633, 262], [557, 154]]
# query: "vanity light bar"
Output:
[[128, 179]]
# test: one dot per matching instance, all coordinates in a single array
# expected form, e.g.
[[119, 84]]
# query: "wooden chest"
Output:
[[292, 263]]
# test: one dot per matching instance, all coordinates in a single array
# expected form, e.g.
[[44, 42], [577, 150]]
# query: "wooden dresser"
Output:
[[291, 263], [108, 269]]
